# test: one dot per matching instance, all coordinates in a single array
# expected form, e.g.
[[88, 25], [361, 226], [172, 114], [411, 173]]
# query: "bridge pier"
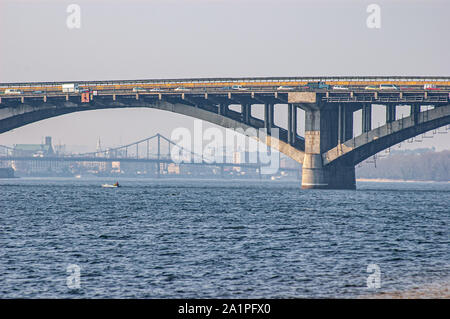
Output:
[[317, 176], [326, 125]]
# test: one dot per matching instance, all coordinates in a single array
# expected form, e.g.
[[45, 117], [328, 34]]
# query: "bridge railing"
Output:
[[338, 79]]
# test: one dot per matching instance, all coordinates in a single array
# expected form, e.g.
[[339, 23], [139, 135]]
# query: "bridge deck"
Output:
[[253, 96], [245, 81]]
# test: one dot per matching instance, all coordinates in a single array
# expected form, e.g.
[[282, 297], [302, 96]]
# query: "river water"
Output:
[[218, 239]]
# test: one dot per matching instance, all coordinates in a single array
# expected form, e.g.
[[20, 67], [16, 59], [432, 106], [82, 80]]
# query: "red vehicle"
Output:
[[430, 87]]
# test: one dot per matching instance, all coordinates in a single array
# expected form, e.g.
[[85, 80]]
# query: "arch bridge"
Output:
[[329, 149]]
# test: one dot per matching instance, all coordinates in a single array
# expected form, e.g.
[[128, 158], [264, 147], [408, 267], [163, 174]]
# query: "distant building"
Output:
[[115, 167], [173, 169], [35, 150]]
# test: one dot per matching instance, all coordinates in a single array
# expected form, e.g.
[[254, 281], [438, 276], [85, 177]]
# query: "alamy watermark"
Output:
[[374, 19], [73, 20], [73, 280], [374, 279], [261, 148]]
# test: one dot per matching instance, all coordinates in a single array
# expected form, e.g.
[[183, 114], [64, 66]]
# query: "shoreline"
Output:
[[437, 290], [387, 180]]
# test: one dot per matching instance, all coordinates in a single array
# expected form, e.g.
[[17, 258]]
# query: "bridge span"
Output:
[[329, 150]]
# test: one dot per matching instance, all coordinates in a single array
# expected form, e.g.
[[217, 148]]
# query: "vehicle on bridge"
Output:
[[137, 89], [317, 85], [13, 91], [239, 88], [388, 87], [182, 89], [339, 87], [429, 86], [70, 88], [281, 88], [371, 87]]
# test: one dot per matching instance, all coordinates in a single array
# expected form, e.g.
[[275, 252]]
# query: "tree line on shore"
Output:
[[421, 165]]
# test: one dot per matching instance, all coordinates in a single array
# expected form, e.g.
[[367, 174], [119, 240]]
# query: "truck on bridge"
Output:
[[70, 88]]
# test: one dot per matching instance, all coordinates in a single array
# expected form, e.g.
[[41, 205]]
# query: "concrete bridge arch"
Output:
[[328, 152]]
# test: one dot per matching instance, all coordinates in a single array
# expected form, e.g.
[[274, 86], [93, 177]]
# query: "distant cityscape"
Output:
[[46, 160]]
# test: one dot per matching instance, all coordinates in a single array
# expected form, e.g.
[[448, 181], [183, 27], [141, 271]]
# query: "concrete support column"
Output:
[[415, 111], [223, 109], [348, 122], [316, 176], [390, 113], [292, 124], [321, 134], [366, 118], [268, 117], [246, 112], [341, 124]]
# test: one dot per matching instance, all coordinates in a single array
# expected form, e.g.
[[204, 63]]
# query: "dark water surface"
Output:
[[221, 239]]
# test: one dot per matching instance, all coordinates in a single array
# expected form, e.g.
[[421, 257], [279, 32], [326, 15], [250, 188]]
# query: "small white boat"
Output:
[[111, 186]]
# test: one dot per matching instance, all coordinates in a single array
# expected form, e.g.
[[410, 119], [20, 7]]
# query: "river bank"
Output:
[[437, 290], [385, 180]]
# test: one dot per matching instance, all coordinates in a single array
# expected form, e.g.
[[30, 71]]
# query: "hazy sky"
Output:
[[208, 38]]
